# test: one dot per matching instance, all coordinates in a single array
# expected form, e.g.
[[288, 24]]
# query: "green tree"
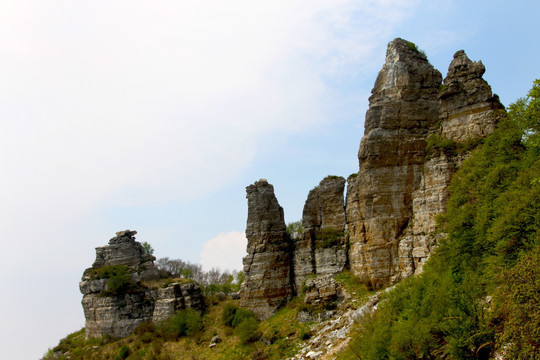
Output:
[[148, 249], [295, 229]]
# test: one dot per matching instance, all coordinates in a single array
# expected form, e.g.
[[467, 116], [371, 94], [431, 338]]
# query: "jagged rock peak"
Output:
[[403, 106], [467, 105], [405, 80], [322, 248], [264, 212], [399, 48], [123, 249], [461, 66]]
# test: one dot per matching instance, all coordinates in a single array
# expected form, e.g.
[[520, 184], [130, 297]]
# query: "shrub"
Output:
[[233, 315], [184, 322], [295, 229], [119, 281], [435, 144], [248, 330], [123, 353], [228, 314], [329, 237], [241, 316]]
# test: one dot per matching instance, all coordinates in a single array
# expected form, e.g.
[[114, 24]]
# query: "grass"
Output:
[[275, 338]]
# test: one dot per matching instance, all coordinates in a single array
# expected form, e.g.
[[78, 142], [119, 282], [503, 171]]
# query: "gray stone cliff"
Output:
[[322, 248], [115, 297], [268, 264], [418, 131]]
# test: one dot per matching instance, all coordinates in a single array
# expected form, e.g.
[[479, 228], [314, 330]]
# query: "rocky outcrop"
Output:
[[322, 248], [403, 105], [268, 264], [177, 296], [116, 297], [418, 131], [467, 106], [468, 111], [124, 250], [320, 290]]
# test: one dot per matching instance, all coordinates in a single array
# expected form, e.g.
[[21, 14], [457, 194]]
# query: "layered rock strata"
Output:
[[115, 299], [468, 111], [418, 131], [268, 264], [403, 105], [322, 248]]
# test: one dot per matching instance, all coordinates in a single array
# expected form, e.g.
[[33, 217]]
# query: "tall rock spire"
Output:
[[403, 105], [268, 264]]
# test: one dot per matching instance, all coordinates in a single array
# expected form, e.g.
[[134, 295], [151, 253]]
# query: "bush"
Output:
[[295, 229], [123, 353], [119, 281], [248, 330], [437, 144], [234, 315], [329, 237], [227, 317], [184, 323]]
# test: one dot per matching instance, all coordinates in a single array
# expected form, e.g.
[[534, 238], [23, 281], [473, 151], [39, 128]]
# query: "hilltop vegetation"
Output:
[[479, 294]]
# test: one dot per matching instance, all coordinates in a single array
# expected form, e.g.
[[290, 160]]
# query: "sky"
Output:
[[155, 115]]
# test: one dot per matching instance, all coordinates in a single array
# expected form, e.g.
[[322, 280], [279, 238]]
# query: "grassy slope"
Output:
[[276, 338]]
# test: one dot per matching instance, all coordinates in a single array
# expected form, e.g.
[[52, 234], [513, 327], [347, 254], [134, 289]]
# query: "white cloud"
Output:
[[225, 251]]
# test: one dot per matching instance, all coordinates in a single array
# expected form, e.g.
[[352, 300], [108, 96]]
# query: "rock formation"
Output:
[[392, 204], [467, 112], [322, 248], [115, 296], [418, 131], [403, 105], [268, 264]]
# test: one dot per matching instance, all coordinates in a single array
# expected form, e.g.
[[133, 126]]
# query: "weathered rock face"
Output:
[[467, 106], [177, 296], [268, 264], [124, 250], [418, 132], [392, 204], [114, 299], [323, 246], [468, 112], [321, 289], [403, 105]]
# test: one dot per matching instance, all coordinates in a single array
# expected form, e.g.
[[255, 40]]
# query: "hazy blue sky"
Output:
[[155, 115]]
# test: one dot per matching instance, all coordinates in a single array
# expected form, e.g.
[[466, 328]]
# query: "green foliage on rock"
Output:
[[479, 293], [119, 281], [328, 237], [148, 249], [295, 229]]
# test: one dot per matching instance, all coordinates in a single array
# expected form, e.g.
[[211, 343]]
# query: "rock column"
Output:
[[402, 107], [322, 249], [268, 265]]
